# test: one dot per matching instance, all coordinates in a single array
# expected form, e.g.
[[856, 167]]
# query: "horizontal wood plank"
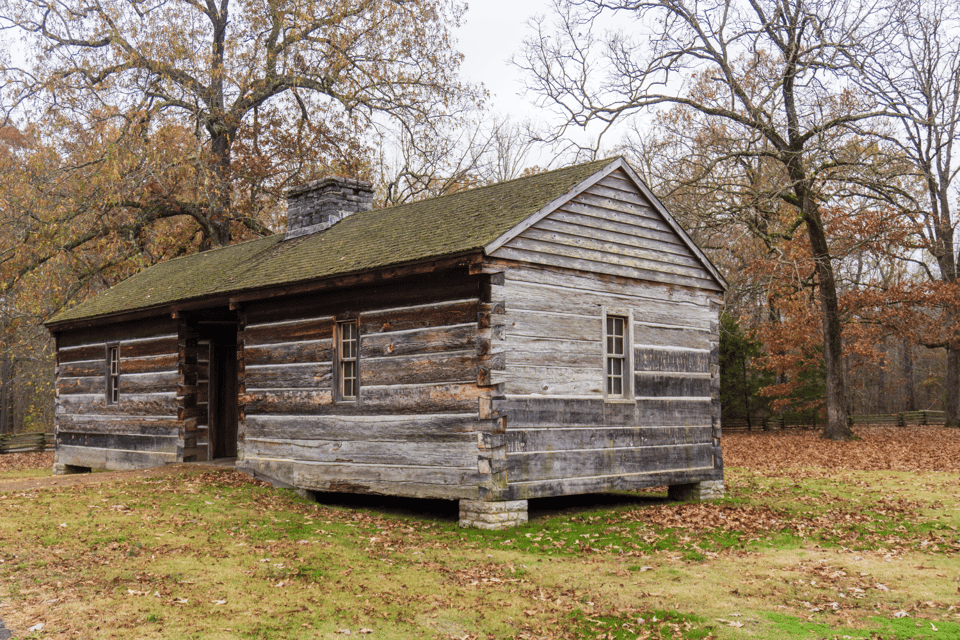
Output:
[[672, 360], [290, 353], [122, 441], [556, 439], [449, 453], [154, 404], [116, 460], [620, 482], [522, 467], [385, 429], [442, 398], [130, 425], [671, 385]]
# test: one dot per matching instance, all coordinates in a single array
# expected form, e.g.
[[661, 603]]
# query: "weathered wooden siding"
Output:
[[561, 436], [611, 228], [414, 429], [142, 429]]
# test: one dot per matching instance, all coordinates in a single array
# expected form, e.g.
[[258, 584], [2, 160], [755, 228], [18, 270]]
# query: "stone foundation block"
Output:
[[492, 515], [697, 491]]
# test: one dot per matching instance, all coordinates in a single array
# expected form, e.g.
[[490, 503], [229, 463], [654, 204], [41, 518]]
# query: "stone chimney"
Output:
[[319, 205]]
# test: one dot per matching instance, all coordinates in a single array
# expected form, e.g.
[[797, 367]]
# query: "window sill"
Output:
[[620, 400]]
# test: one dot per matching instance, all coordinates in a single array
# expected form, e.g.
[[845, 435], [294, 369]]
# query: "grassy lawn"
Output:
[[795, 552]]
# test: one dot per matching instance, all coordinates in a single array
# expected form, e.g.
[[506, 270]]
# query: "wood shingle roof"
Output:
[[446, 226]]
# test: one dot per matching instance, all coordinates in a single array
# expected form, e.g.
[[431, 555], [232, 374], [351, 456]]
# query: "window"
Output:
[[113, 373], [348, 370], [617, 365]]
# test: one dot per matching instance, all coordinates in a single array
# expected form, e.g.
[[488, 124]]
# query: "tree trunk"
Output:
[[837, 427], [910, 388]]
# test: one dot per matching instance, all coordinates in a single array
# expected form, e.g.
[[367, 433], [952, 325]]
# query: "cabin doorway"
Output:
[[222, 408]]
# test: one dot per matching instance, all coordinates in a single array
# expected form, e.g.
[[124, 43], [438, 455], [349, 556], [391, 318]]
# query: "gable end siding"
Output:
[[610, 228]]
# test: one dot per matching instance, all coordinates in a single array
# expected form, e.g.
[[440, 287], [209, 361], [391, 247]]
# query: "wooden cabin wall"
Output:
[[561, 436], [413, 431], [142, 429]]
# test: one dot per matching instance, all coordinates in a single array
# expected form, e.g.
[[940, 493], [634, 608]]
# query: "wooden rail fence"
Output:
[[905, 419], [25, 442]]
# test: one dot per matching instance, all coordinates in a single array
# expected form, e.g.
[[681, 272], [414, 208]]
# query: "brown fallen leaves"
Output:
[[879, 449], [21, 461]]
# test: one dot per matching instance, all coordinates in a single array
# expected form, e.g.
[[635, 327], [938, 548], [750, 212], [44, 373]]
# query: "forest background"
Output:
[[806, 145]]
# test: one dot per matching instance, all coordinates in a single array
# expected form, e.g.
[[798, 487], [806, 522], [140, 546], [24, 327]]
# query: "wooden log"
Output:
[[147, 328], [440, 398], [672, 385], [621, 482], [317, 375], [646, 336], [442, 314], [423, 289], [152, 404], [294, 331], [528, 412], [448, 453], [292, 353], [426, 482], [553, 325], [311, 475], [144, 426], [672, 360], [649, 302], [127, 442], [576, 282], [554, 381], [383, 429], [419, 341], [419, 369], [538, 466], [554, 439], [624, 251], [526, 250], [129, 383], [113, 459]]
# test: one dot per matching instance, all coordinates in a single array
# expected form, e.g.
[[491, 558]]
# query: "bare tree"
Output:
[[772, 70], [917, 79]]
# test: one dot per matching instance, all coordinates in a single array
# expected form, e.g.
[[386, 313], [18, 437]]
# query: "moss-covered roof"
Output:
[[444, 226]]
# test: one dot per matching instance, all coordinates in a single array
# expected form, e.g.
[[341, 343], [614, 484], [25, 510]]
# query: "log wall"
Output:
[[142, 429], [608, 247], [413, 431], [562, 437]]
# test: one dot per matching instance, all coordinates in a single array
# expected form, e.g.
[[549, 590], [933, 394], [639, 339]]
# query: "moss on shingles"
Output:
[[377, 239]]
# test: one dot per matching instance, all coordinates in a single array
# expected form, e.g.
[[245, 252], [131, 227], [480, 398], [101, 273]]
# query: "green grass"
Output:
[[214, 555]]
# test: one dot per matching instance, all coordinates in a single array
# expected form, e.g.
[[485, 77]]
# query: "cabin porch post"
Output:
[[492, 515]]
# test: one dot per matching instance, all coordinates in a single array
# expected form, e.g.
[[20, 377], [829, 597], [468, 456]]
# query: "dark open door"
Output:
[[223, 411]]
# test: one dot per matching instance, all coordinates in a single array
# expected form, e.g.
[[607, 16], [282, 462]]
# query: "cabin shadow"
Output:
[[447, 511]]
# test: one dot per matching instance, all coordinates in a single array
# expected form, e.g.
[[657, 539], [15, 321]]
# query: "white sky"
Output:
[[493, 31]]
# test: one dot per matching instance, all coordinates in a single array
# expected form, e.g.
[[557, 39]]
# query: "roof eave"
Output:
[[234, 299]]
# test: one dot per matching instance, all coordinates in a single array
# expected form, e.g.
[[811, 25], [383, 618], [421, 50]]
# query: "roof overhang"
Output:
[[236, 299]]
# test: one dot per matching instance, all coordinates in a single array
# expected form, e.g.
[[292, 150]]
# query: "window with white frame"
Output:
[[113, 373], [618, 364], [348, 369]]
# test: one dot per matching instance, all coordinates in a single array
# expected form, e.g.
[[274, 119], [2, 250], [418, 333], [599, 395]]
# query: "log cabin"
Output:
[[546, 336]]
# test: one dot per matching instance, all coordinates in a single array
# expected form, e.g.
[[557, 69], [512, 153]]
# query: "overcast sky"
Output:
[[493, 31]]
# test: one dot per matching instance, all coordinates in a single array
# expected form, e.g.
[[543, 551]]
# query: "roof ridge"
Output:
[[602, 161]]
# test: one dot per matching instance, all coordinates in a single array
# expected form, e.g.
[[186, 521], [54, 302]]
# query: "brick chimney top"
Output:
[[319, 205]]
